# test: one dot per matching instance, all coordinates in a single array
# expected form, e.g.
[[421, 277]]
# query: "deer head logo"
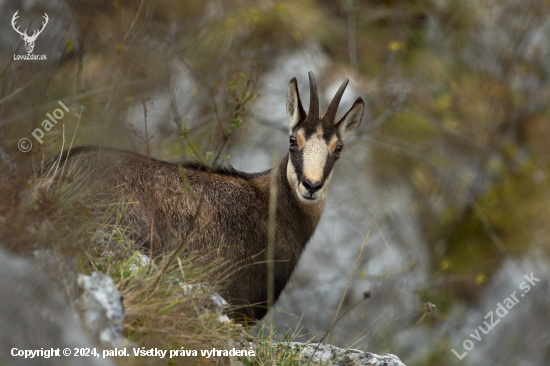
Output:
[[29, 40]]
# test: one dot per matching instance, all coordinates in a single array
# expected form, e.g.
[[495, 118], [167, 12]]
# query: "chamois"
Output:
[[233, 218]]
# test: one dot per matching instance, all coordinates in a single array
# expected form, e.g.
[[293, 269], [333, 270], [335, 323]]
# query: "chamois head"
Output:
[[316, 141]]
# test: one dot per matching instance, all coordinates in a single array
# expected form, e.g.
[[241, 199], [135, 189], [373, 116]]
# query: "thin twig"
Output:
[[58, 161], [72, 141], [133, 22], [327, 334], [152, 244], [20, 89], [352, 49], [11, 59], [271, 229], [410, 330]]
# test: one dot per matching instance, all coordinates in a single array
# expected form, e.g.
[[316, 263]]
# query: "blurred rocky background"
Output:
[[448, 175]]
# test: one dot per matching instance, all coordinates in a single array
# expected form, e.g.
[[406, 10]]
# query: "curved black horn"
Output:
[[313, 99], [333, 107]]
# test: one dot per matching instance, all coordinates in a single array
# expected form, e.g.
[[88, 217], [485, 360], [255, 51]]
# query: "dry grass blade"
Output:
[[327, 334]]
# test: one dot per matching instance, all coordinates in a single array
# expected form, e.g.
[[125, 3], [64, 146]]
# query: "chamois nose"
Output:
[[312, 187]]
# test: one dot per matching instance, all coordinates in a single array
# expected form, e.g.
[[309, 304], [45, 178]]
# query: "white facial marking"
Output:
[[291, 175], [299, 189], [315, 157], [315, 152], [293, 179]]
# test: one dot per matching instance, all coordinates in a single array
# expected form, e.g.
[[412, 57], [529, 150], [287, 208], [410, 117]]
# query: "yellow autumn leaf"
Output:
[[395, 46], [446, 264], [481, 278]]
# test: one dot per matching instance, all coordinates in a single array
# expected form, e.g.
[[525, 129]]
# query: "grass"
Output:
[[273, 351]]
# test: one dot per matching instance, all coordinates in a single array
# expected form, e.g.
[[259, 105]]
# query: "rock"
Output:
[[34, 315], [101, 309], [60, 269], [214, 302], [338, 356], [139, 260]]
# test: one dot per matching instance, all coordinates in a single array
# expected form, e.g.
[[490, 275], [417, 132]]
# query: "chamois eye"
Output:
[[338, 149], [292, 141]]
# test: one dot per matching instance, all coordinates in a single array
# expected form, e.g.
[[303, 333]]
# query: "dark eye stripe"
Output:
[[328, 168], [298, 161]]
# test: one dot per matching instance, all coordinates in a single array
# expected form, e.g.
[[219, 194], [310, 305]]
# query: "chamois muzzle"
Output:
[[312, 187]]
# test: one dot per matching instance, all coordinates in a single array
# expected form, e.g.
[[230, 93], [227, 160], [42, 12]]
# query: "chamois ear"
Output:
[[294, 110], [351, 121]]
